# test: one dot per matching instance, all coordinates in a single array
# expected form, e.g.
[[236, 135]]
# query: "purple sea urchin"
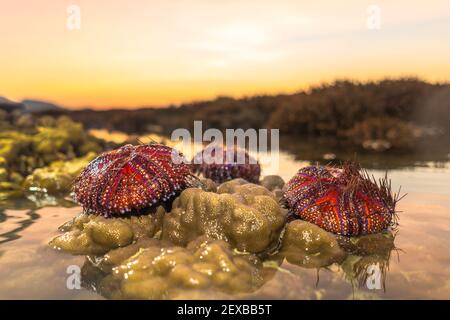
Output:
[[221, 164], [131, 178], [343, 200]]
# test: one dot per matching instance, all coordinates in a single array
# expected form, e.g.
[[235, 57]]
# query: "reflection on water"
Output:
[[17, 222], [413, 264], [324, 152]]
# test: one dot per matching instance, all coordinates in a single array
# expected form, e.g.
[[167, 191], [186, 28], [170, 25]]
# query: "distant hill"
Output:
[[40, 106], [4, 100], [8, 105], [387, 114]]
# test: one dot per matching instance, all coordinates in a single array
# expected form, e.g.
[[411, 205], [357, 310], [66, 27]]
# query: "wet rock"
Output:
[[245, 215], [117, 256], [358, 269], [56, 178], [273, 182], [3, 162], [51, 145], [66, 137], [370, 256], [373, 244], [3, 174], [230, 186], [208, 185], [13, 144], [48, 180], [95, 235], [309, 246], [9, 190]]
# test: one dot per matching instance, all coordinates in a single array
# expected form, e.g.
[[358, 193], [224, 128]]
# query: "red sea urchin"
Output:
[[131, 178], [222, 164], [343, 200]]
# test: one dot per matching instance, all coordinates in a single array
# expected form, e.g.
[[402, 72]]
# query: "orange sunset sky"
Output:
[[153, 53]]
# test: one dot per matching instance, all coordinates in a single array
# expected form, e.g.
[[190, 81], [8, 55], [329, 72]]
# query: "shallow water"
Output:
[[419, 268]]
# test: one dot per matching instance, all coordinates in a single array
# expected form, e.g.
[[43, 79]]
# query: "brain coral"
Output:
[[310, 246], [245, 215], [160, 271]]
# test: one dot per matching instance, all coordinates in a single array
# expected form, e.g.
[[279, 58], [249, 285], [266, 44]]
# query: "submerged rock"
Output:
[[245, 215], [96, 235], [309, 246], [369, 257], [161, 271]]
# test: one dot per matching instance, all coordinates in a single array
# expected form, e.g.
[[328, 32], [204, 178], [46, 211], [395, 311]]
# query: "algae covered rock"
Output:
[[208, 185], [273, 182], [45, 150], [369, 257], [308, 245], [96, 235], [373, 244], [117, 256], [161, 271], [9, 190], [55, 178], [245, 215], [13, 144], [231, 186], [48, 180], [3, 174], [64, 140]]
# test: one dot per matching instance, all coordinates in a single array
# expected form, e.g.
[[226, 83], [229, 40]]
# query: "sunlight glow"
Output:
[[155, 53]]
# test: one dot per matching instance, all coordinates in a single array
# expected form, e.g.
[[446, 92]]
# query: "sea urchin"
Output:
[[342, 200], [221, 164], [131, 178]]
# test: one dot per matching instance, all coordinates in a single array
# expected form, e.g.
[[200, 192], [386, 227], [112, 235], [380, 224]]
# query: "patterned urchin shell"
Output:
[[233, 164], [131, 178], [344, 200]]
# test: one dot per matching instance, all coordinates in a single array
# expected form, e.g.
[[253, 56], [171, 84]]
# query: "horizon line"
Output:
[[229, 96]]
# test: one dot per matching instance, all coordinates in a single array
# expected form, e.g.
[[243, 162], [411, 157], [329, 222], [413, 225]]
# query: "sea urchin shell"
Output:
[[131, 178], [230, 164], [343, 200]]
